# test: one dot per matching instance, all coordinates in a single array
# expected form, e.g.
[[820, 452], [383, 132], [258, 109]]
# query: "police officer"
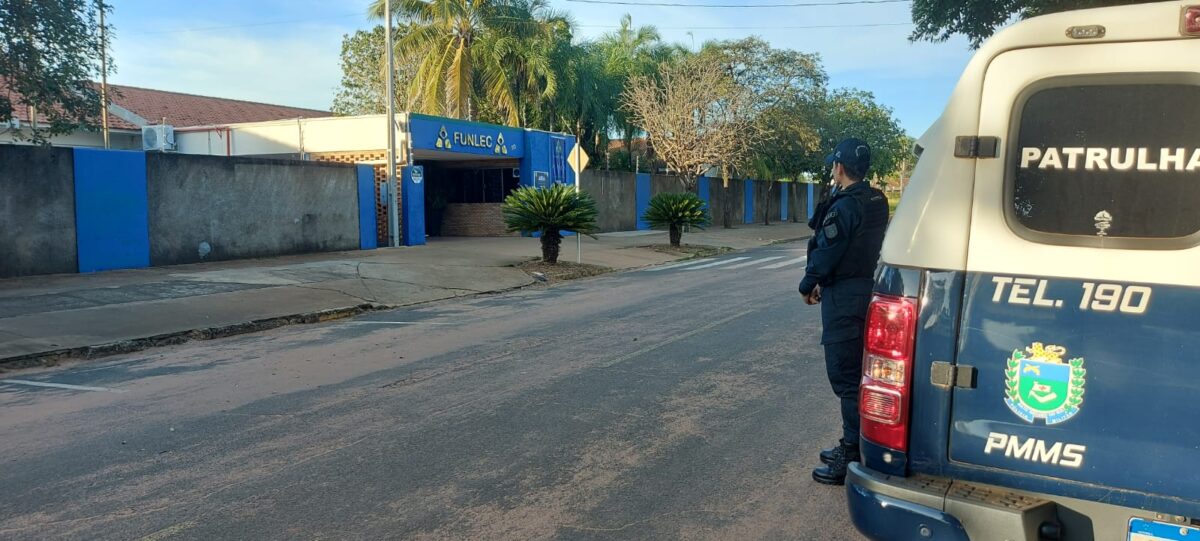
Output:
[[842, 255]]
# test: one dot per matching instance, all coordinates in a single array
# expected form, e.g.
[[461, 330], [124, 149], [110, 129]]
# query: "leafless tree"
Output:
[[696, 116]]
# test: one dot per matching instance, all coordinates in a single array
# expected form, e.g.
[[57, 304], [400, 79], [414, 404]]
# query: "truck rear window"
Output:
[[1107, 162]]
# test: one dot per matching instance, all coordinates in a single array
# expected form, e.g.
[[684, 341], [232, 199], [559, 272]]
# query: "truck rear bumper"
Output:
[[887, 511], [919, 508]]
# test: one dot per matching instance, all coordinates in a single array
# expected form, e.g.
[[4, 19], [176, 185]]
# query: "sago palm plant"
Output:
[[548, 212], [675, 211]]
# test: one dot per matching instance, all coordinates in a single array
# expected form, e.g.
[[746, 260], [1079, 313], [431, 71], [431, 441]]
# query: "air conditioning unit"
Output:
[[160, 138], [14, 123]]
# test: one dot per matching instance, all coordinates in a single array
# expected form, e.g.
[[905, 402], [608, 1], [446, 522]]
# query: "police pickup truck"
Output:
[[1032, 363]]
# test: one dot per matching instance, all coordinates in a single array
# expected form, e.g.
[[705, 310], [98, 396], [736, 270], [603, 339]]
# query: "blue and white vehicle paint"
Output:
[[1051, 238]]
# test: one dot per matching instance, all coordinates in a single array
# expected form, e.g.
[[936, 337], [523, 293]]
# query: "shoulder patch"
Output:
[[831, 231], [830, 216]]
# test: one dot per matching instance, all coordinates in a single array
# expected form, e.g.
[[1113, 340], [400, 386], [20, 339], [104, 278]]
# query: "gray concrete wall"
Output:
[[615, 193], [768, 201], [207, 208], [37, 211], [799, 202], [665, 184], [719, 197]]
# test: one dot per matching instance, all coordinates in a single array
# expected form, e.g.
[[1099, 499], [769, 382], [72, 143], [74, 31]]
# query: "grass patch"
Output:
[[893, 200], [563, 271], [690, 251]]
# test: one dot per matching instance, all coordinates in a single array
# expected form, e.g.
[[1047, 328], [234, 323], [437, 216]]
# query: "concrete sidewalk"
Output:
[[43, 318]]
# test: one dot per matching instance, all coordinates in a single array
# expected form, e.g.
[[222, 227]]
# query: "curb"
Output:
[[53, 357]]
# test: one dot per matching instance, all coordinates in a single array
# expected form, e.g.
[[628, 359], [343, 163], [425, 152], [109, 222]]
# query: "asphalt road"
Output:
[[677, 403]]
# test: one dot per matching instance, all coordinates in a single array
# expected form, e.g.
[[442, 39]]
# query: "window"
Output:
[[1113, 163]]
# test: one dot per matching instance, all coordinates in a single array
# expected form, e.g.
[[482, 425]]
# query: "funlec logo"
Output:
[[443, 139]]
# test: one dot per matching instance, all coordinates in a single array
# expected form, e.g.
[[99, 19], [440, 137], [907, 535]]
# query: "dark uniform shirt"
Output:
[[842, 256]]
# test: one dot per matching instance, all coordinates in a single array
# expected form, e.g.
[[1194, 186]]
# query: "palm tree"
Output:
[[466, 50], [586, 97], [630, 52]]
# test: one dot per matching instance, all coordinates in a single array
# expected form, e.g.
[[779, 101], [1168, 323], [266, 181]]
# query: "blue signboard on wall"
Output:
[[450, 135]]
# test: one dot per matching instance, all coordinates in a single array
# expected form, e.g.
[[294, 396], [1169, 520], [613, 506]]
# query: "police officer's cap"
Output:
[[853, 153]]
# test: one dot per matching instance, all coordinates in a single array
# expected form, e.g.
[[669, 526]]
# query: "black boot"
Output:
[[835, 472], [830, 454]]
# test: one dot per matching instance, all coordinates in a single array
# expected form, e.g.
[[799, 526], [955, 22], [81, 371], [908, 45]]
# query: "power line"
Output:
[[776, 5], [808, 27]]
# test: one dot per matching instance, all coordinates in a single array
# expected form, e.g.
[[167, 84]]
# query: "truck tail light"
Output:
[[886, 388], [1191, 21]]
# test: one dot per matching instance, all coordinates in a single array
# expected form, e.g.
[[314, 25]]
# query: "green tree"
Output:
[[787, 87], [676, 211], [476, 55], [937, 20], [363, 70], [49, 54], [548, 212], [629, 53], [787, 147], [855, 113], [587, 96]]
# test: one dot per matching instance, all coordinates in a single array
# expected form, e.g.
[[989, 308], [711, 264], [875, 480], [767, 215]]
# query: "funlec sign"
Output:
[[447, 135]]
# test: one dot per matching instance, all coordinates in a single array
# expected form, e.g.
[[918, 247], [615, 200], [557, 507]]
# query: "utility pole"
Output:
[[103, 76], [393, 187]]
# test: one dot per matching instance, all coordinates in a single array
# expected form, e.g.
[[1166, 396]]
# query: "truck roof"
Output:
[[929, 228]]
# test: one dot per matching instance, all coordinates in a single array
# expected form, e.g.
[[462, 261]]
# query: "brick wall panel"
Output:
[[381, 215], [474, 220]]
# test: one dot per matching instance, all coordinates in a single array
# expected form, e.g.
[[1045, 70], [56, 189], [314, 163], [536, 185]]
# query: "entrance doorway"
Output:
[[463, 199]]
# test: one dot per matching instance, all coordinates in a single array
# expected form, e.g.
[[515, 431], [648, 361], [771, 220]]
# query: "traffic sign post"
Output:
[[578, 160]]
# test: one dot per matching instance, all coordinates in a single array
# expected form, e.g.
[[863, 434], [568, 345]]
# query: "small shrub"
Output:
[[675, 211], [548, 212]]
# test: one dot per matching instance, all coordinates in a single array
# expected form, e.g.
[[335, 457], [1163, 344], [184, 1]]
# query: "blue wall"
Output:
[[784, 189], [111, 210], [547, 153], [810, 200], [642, 198], [368, 237], [748, 213], [703, 187], [412, 207]]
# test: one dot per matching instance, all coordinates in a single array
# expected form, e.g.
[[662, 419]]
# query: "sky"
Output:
[[288, 51]]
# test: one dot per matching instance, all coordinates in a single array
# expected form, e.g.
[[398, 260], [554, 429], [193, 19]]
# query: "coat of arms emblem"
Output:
[[1040, 384]]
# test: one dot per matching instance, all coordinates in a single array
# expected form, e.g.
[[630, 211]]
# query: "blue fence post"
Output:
[[704, 190], [112, 214], [368, 236], [642, 199], [784, 188], [412, 206], [810, 200], [748, 212]]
